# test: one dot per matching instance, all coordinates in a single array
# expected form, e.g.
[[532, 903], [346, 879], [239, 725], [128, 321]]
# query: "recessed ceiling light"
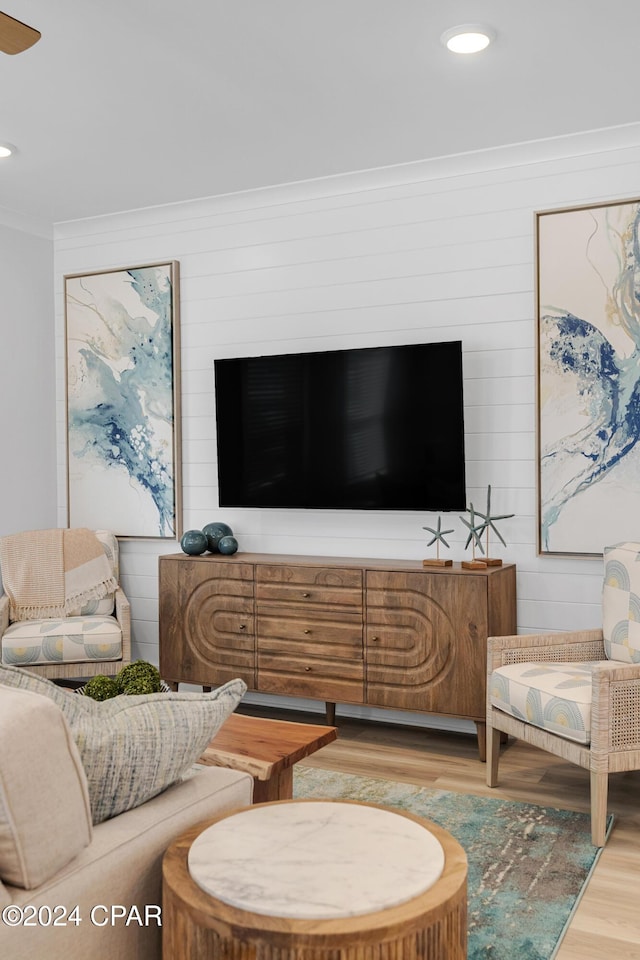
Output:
[[6, 149], [467, 38]]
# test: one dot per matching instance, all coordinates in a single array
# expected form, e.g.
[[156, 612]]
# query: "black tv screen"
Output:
[[376, 428]]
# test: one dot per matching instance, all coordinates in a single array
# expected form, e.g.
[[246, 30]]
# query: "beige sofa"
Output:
[[72, 889]]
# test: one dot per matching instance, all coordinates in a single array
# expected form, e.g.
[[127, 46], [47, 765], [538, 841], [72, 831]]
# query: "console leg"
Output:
[[481, 729], [330, 713]]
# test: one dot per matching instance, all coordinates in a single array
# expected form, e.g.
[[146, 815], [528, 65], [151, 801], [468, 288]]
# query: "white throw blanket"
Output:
[[49, 573]]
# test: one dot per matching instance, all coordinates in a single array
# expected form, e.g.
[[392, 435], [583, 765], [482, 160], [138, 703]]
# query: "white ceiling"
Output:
[[130, 103]]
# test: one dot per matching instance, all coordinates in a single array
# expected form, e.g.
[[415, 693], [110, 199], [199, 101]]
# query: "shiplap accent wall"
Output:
[[435, 250]]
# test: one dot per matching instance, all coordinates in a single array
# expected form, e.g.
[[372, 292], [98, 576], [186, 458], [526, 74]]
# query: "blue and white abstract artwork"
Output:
[[122, 392], [589, 377]]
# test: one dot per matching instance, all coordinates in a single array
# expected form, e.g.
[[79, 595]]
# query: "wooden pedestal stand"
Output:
[[474, 564], [480, 564], [486, 561], [432, 925]]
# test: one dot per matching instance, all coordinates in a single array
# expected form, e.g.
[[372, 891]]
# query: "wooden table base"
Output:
[[430, 926]]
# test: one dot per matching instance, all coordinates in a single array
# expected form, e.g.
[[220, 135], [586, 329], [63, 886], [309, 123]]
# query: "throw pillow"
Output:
[[621, 602], [45, 820], [134, 747], [5, 896]]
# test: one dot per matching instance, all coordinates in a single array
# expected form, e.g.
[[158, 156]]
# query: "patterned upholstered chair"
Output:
[[94, 639], [576, 695]]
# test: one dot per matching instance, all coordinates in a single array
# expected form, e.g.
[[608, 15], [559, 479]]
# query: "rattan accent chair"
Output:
[[614, 745], [577, 694]]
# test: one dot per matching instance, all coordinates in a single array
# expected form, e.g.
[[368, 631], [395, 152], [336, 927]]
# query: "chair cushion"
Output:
[[553, 696], [45, 818], [134, 747], [621, 602], [67, 640]]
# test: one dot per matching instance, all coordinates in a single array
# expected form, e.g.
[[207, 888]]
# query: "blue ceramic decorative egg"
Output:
[[227, 545], [194, 542], [213, 532]]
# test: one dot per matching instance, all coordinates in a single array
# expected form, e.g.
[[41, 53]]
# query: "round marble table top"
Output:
[[315, 859]]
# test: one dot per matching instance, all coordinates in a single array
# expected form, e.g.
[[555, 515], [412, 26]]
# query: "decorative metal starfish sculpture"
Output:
[[438, 534], [438, 538], [489, 520], [475, 530]]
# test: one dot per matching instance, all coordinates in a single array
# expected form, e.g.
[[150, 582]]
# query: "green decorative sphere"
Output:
[[101, 688], [138, 677], [194, 542], [214, 532], [227, 545]]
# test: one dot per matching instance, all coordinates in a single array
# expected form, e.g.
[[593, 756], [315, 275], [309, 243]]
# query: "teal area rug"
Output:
[[528, 865]]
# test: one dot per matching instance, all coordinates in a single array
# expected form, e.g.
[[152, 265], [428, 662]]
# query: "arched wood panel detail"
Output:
[[217, 630], [425, 642]]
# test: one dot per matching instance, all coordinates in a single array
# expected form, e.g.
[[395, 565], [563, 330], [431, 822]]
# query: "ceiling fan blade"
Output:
[[16, 36]]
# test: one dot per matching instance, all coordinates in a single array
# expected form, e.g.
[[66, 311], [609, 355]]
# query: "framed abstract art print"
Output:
[[588, 377], [123, 394]]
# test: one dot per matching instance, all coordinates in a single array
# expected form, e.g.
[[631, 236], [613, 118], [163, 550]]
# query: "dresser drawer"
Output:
[[327, 640], [320, 626], [306, 595], [319, 576], [311, 676], [309, 585]]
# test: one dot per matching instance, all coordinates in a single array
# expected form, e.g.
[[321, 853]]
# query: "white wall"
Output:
[[28, 495], [428, 251]]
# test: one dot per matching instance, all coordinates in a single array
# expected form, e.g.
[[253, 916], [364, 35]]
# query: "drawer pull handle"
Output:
[[307, 630], [243, 626], [305, 594], [307, 669], [374, 639]]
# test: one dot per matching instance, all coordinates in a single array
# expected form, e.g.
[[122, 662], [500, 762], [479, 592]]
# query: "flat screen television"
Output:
[[374, 428]]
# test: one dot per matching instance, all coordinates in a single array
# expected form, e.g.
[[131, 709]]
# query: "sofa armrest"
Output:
[[4, 613], [123, 616], [574, 646], [122, 866]]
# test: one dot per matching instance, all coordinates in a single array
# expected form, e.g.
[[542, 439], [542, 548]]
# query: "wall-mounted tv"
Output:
[[374, 428]]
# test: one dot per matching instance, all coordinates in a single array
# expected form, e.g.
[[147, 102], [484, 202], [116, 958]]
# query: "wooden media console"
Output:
[[385, 633]]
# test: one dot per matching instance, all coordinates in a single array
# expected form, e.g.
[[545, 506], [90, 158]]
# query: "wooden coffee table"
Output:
[[267, 749]]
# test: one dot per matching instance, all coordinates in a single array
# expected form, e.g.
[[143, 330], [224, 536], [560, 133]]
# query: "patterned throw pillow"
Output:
[[134, 747], [621, 602]]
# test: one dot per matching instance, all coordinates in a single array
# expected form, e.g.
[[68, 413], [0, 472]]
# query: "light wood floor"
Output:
[[606, 925]]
